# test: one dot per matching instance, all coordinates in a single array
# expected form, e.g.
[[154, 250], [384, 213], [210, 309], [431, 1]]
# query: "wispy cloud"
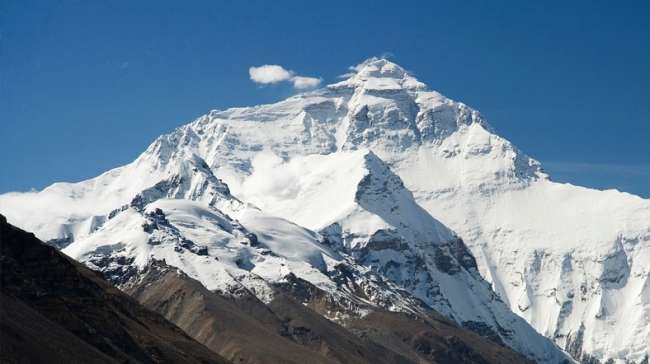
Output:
[[637, 170], [301, 82], [272, 73], [632, 178], [346, 75]]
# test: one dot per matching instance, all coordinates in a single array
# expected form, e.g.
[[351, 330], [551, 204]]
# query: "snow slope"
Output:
[[205, 243], [572, 261], [364, 210]]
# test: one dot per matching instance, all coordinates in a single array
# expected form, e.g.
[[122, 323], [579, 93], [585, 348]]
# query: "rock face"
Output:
[[225, 325], [245, 330], [374, 189], [56, 310]]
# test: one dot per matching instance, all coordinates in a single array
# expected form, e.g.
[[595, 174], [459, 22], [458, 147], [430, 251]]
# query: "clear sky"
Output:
[[86, 85]]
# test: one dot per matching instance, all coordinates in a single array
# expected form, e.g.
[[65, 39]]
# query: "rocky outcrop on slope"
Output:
[[291, 328]]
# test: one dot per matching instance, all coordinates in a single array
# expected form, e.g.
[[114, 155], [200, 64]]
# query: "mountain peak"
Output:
[[379, 73], [379, 67]]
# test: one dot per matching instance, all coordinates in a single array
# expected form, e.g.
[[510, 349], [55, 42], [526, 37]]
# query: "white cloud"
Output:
[[301, 82], [273, 73], [271, 177], [346, 75], [269, 73]]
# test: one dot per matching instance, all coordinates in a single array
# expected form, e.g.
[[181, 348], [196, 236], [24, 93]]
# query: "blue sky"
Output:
[[86, 85]]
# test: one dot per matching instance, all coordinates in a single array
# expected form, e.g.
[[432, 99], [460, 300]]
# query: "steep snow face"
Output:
[[313, 191], [364, 211], [571, 261], [353, 189]]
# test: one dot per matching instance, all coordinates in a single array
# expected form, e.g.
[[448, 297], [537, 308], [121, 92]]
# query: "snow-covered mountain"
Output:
[[379, 192]]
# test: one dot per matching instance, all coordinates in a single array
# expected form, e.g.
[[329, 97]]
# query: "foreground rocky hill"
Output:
[[55, 310]]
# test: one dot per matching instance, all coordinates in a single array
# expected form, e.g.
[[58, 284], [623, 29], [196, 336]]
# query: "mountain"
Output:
[[247, 251], [379, 193], [56, 310]]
